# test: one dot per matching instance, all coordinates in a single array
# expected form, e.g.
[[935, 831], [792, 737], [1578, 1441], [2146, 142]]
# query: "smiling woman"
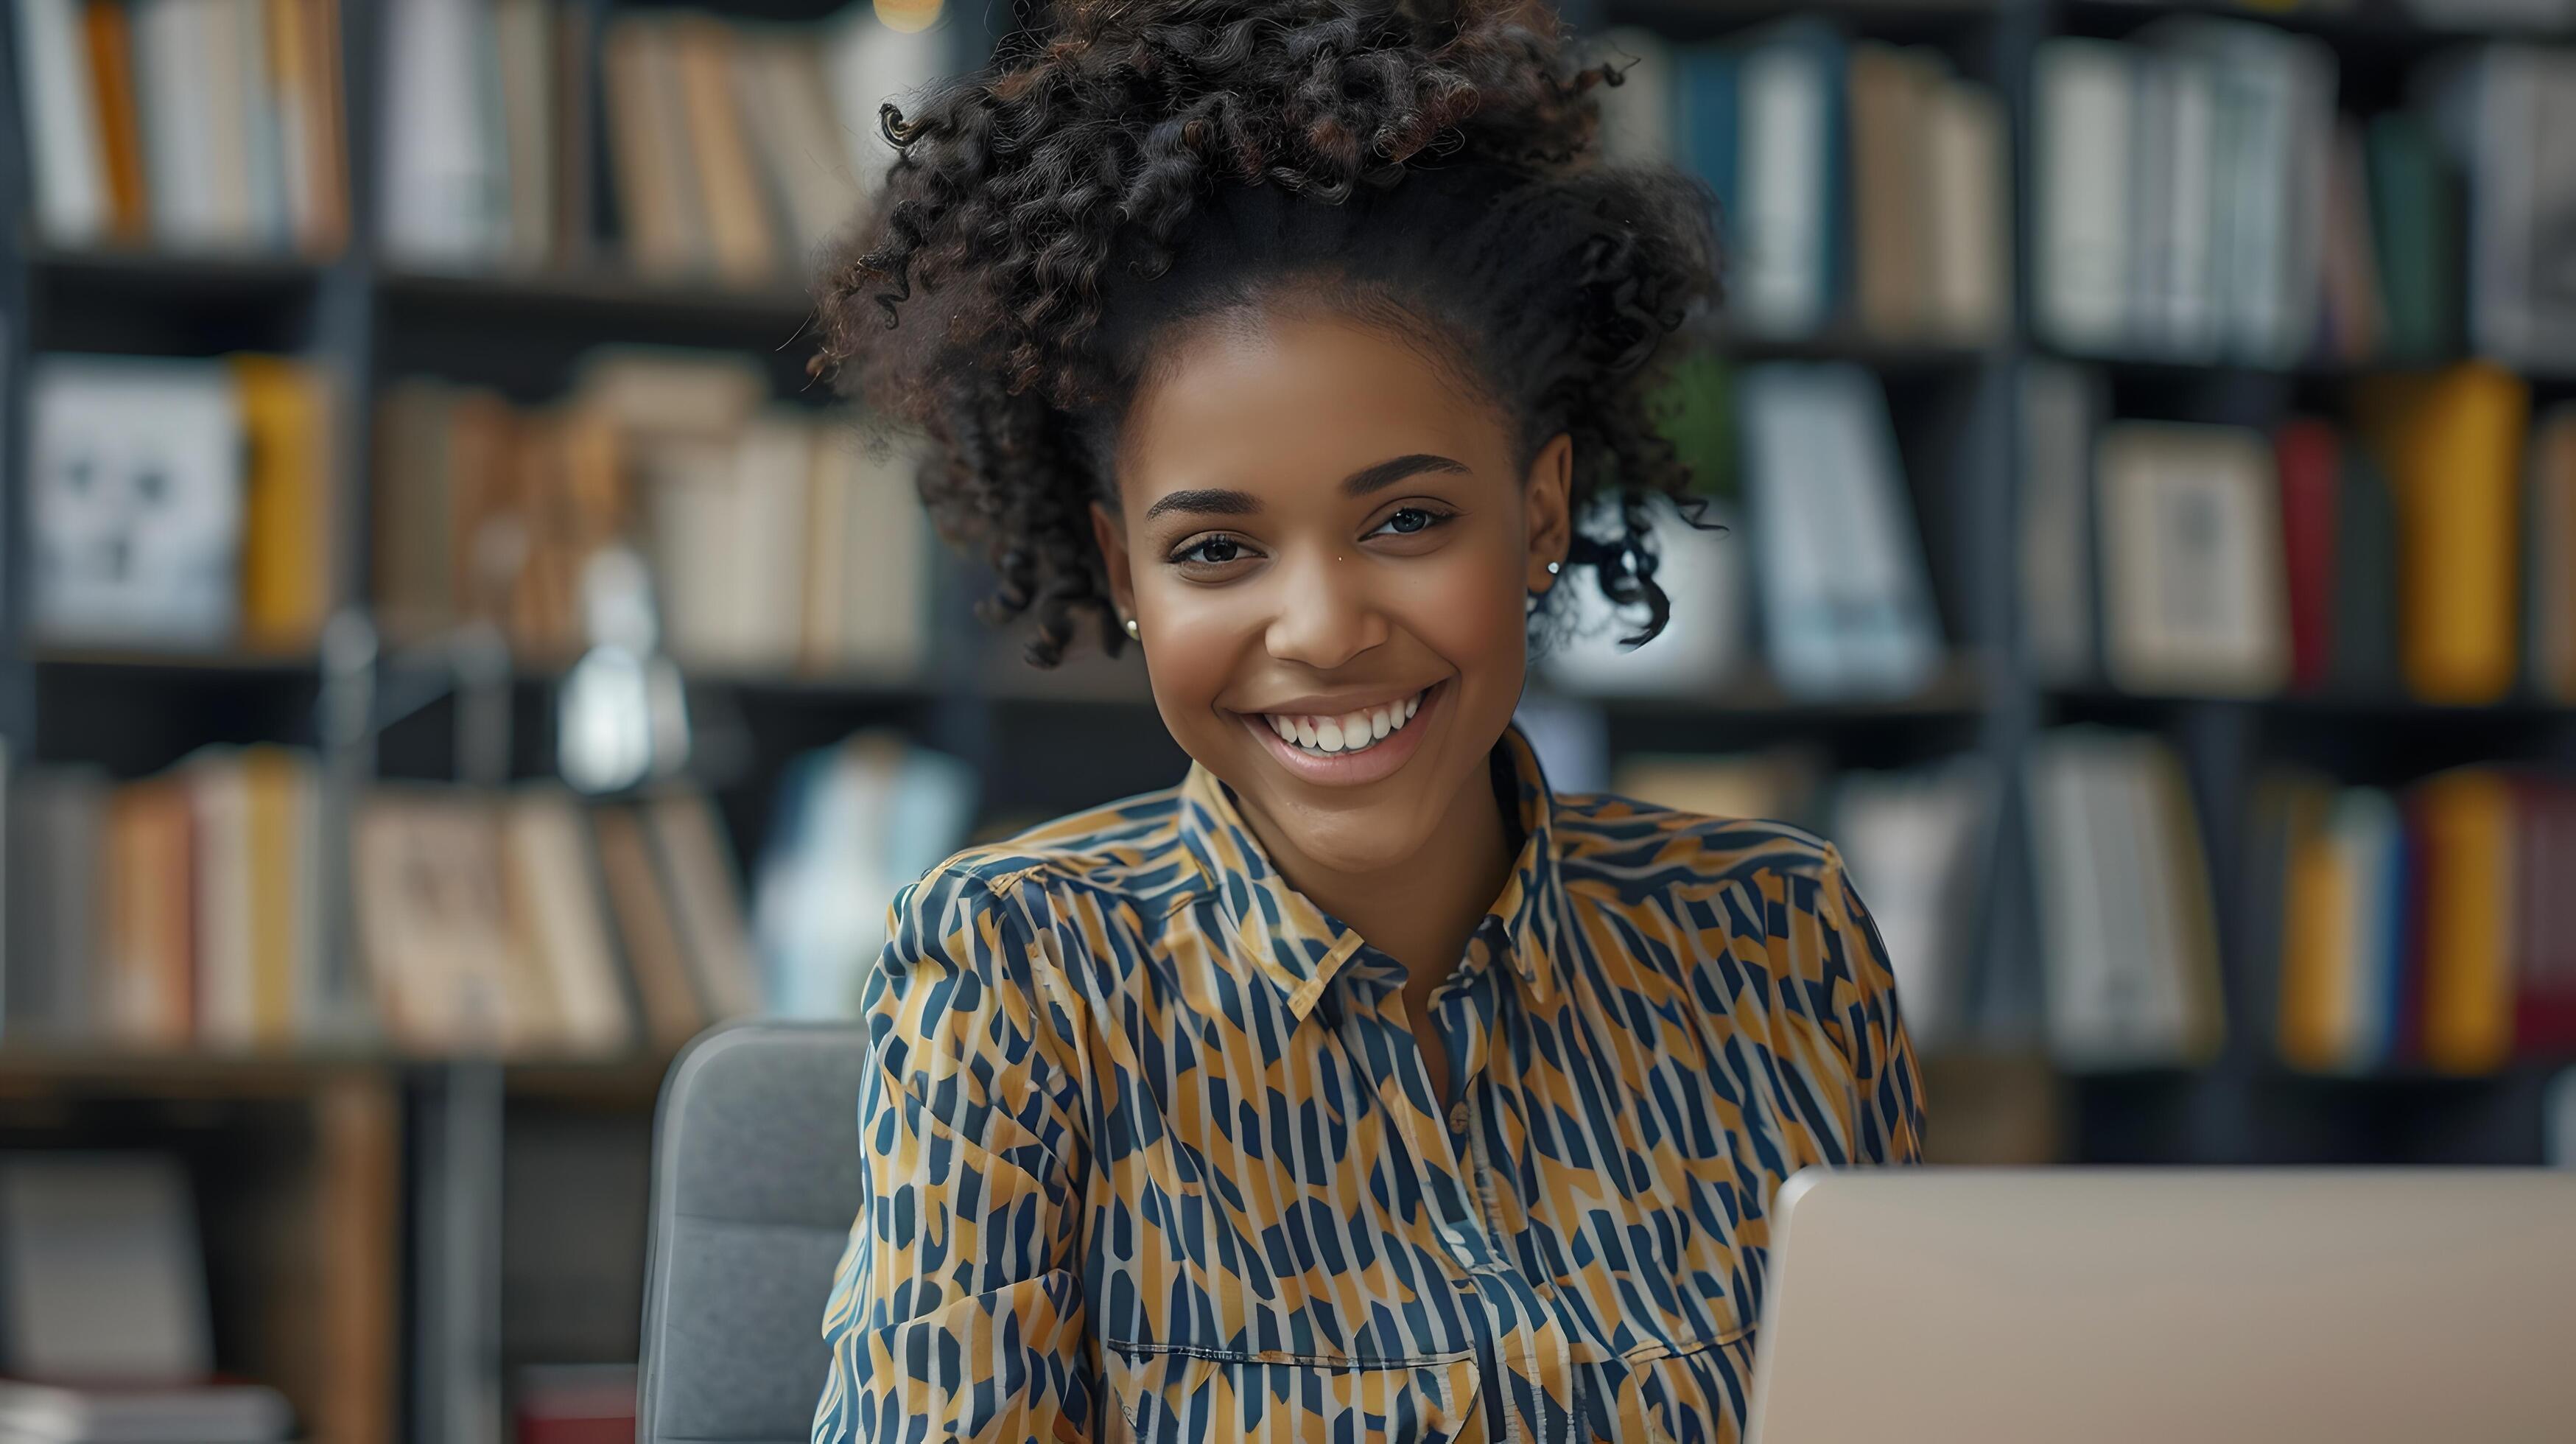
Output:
[[1361, 1086]]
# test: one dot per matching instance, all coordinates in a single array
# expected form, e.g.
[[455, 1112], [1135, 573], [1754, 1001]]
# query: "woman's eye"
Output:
[[1408, 520], [1216, 551]]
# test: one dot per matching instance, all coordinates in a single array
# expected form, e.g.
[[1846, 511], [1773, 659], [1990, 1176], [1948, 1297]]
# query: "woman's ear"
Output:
[[1111, 537], [1548, 504]]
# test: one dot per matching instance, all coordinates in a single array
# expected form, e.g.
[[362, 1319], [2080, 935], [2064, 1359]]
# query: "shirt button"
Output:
[[1457, 1117]]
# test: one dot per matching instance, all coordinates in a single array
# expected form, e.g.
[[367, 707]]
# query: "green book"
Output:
[[2415, 220], [2363, 658]]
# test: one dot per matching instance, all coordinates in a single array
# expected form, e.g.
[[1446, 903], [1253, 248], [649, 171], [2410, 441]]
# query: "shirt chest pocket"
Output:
[[1169, 1396]]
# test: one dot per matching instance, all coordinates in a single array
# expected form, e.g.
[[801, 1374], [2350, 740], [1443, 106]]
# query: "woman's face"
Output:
[[1328, 548]]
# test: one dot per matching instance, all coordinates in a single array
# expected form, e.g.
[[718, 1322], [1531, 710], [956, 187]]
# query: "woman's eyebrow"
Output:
[[1207, 502], [1388, 473]]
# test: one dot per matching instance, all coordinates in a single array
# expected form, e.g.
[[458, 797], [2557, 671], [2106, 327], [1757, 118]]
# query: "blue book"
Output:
[[1709, 144]]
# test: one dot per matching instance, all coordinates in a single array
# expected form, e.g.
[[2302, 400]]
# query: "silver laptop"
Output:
[[2114, 1306]]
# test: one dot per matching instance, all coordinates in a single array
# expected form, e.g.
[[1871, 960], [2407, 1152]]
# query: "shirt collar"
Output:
[[1281, 933]]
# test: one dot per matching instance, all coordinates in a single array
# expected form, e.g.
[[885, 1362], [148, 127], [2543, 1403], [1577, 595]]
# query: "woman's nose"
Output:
[[1325, 615]]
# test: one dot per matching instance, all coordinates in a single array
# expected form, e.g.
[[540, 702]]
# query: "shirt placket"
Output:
[[1527, 1383]]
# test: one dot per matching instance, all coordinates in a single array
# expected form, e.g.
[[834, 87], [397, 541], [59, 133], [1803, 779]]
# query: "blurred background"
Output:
[[454, 652]]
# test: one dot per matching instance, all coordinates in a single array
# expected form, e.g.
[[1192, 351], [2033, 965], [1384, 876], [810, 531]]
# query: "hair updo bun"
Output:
[[1125, 165]]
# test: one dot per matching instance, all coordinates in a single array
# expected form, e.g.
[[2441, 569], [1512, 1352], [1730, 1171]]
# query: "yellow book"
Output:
[[2466, 821], [287, 514], [2318, 1002], [2451, 442]]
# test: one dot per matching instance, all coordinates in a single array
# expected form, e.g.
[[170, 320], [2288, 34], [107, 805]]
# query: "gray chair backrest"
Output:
[[755, 1182]]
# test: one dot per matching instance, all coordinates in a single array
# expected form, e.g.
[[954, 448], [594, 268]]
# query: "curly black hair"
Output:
[[1124, 166]]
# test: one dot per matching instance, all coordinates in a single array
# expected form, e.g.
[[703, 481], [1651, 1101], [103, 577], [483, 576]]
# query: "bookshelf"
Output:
[[489, 1215]]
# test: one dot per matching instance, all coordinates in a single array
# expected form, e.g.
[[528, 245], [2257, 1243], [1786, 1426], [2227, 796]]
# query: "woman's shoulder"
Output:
[[1128, 847], [1603, 833]]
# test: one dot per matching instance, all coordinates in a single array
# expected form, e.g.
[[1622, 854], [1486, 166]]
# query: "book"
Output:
[[104, 1279], [803, 164], [55, 908], [2467, 823], [2124, 903], [444, 961], [698, 872], [135, 498], [2363, 649], [2190, 537], [65, 149], [740, 240], [2550, 527], [444, 187], [1790, 179], [109, 40], [175, 90], [1918, 846], [2356, 321], [524, 33], [556, 898], [290, 515], [658, 208], [648, 934], [2500, 109], [1967, 225], [2415, 224], [1846, 605], [2081, 133], [1889, 95], [2451, 442], [2308, 458], [2061, 407]]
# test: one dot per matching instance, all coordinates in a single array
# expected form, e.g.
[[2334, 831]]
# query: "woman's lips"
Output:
[[1380, 758]]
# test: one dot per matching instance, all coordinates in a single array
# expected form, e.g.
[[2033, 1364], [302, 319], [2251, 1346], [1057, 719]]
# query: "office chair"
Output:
[[755, 1182]]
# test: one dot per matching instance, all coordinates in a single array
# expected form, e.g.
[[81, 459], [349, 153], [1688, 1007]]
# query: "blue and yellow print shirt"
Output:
[[1151, 1151]]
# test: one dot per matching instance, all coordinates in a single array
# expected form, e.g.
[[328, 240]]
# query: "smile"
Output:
[[1347, 733]]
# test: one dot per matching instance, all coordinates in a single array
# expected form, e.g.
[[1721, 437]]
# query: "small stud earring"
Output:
[[1553, 568], [1132, 630]]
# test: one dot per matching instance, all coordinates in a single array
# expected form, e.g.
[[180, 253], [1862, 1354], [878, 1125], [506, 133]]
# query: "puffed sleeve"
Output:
[[956, 1312], [1882, 1104]]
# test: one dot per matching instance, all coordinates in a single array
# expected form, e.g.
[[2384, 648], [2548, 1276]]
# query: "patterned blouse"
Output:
[[1151, 1151]]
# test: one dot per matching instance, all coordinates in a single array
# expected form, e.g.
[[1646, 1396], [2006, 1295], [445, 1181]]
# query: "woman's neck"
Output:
[[1422, 913]]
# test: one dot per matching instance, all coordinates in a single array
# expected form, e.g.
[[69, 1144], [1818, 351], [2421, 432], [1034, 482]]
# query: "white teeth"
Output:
[[1352, 732]]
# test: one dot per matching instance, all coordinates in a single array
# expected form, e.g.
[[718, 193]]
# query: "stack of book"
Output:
[[2429, 557], [780, 539], [1855, 182], [182, 503], [2200, 198], [186, 123], [188, 910], [2126, 927], [735, 150], [2428, 926]]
